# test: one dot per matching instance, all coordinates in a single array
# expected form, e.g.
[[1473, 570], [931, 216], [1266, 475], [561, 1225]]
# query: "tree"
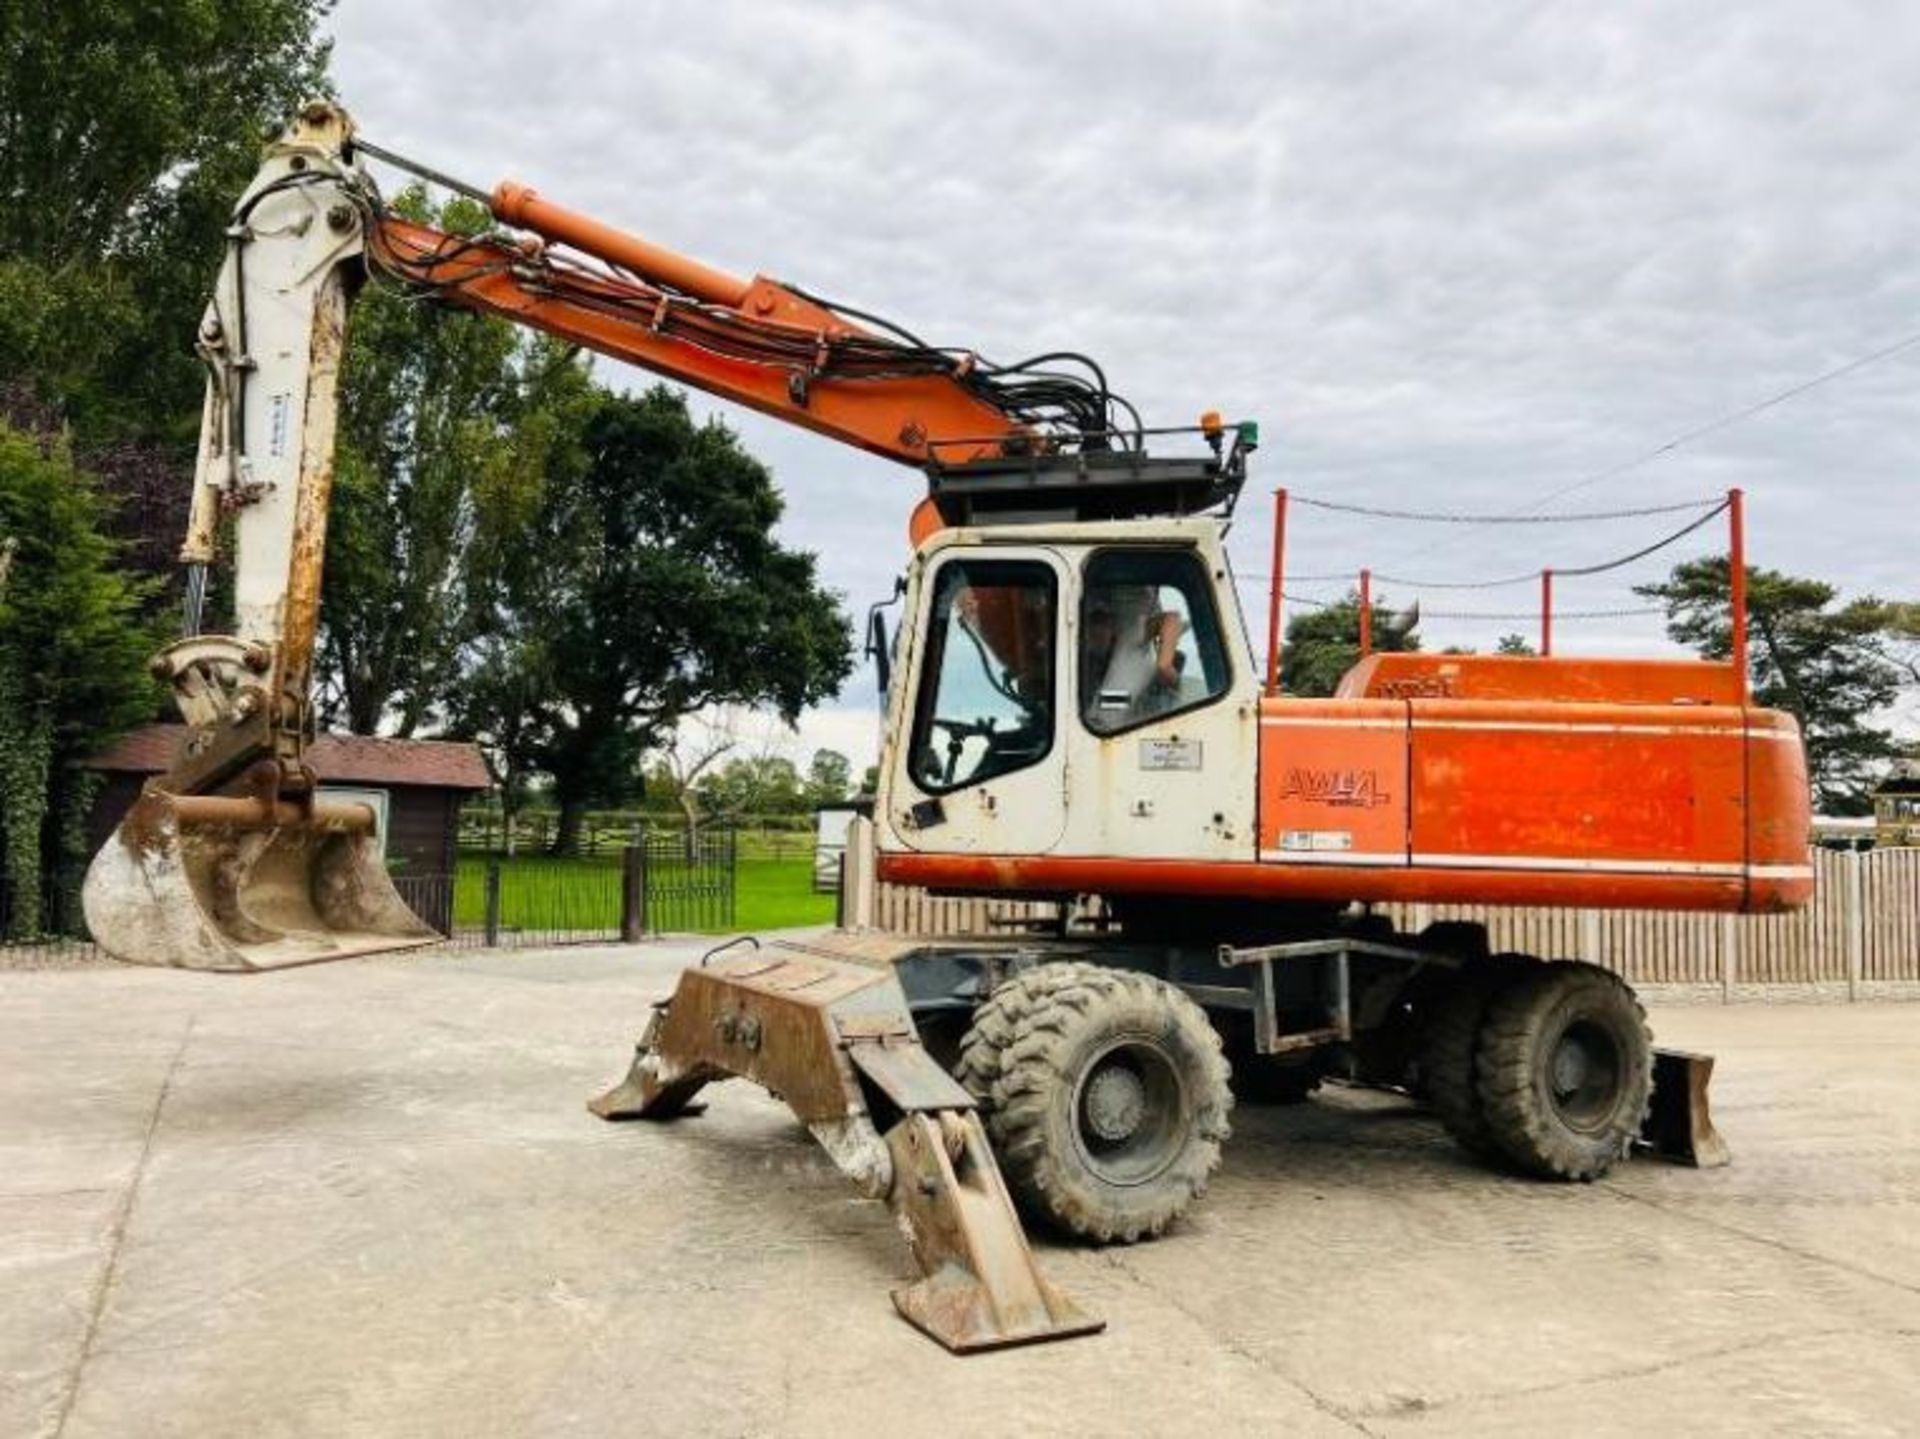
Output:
[[126, 130], [829, 777], [698, 744], [643, 586], [1825, 665], [1324, 643], [73, 656], [1514, 644], [1902, 624], [761, 784], [439, 419]]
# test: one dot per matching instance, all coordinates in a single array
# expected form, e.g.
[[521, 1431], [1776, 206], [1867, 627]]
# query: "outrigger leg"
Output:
[[836, 1041]]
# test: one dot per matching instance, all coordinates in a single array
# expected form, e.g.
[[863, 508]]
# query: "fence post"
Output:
[[859, 893], [1590, 936], [493, 902], [1856, 922], [1274, 591], [633, 893], [1729, 957], [733, 872]]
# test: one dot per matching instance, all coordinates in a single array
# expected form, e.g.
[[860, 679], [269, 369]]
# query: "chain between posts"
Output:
[[1732, 505], [1442, 517]]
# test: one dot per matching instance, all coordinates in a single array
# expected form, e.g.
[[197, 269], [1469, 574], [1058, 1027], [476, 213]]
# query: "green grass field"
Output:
[[539, 892]]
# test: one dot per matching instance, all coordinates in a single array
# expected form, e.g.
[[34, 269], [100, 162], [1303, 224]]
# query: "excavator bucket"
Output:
[[825, 1026], [244, 884]]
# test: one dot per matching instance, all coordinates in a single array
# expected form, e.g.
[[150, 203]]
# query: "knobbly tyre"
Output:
[[1073, 712]]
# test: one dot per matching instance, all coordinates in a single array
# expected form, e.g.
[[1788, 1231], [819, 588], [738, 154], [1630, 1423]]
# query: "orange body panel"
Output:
[[1677, 805], [1525, 677], [1597, 784], [1334, 790]]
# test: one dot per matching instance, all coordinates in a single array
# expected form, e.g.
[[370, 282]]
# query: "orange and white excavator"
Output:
[[1073, 709]]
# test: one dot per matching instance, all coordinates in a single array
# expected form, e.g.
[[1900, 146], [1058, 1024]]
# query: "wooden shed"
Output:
[[1896, 807], [415, 786]]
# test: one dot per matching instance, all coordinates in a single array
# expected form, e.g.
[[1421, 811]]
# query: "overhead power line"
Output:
[[1710, 427], [1747, 412], [1444, 517], [1533, 576]]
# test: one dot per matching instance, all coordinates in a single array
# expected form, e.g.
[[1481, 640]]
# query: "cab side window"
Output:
[[1150, 639], [986, 702]]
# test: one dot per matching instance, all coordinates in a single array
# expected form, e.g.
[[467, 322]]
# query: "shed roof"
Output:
[[336, 758], [1902, 778]]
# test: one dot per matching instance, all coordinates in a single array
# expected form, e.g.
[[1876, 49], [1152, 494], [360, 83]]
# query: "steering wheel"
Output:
[[959, 732]]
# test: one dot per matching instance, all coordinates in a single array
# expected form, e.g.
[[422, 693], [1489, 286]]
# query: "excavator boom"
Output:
[[763, 345], [229, 862]]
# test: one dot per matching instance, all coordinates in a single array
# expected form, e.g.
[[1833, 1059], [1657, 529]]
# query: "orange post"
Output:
[[1366, 613], [1546, 612], [1737, 582], [1273, 593]]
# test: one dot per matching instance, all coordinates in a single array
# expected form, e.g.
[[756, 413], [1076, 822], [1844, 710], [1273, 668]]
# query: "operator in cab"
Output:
[[1130, 658]]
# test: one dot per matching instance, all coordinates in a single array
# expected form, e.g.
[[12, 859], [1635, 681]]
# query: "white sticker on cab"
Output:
[[1170, 754]]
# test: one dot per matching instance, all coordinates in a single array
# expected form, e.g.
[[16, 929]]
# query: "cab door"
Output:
[[1163, 734], [979, 767]]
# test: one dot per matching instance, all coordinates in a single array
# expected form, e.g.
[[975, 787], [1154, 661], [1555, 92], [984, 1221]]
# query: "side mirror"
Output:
[[879, 648], [879, 644]]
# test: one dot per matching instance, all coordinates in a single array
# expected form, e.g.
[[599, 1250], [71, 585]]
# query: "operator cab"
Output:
[[1083, 689]]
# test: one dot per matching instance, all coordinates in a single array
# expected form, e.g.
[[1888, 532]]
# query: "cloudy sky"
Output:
[[1451, 257]]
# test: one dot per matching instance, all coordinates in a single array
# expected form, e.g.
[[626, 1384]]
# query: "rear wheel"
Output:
[[1450, 1047], [1565, 1071], [1105, 1095]]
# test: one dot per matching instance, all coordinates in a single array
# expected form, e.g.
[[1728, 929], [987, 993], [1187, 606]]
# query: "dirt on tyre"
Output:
[[1105, 1095], [997, 1022], [1450, 1043], [1564, 1071]]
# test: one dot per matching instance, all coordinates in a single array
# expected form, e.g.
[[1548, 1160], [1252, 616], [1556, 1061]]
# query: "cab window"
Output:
[[986, 701], [1150, 638]]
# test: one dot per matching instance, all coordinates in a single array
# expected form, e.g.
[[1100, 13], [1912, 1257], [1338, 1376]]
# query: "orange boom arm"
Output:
[[756, 342]]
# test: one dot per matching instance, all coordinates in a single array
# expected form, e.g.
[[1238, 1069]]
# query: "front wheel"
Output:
[[1105, 1094], [1564, 1071]]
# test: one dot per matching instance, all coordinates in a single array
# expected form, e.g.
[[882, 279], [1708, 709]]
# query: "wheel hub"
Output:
[[1584, 1073], [1569, 1067], [1116, 1101]]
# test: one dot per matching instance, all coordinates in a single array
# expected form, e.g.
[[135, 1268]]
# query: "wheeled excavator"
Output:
[[1073, 712]]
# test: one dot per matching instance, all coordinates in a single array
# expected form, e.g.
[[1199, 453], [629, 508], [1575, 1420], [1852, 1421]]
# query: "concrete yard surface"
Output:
[[367, 1199]]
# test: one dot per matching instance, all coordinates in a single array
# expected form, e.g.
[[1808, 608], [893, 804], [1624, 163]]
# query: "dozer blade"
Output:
[[244, 884], [1679, 1125], [835, 1040]]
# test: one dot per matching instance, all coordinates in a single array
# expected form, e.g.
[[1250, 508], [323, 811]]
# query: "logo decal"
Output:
[[1345, 788]]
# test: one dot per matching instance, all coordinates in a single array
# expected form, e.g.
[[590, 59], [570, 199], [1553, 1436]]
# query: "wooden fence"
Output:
[[607, 833], [1862, 930]]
